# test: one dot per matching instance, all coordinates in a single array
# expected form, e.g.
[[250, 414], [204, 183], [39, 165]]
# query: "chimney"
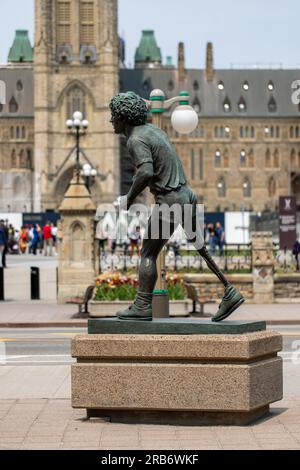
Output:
[[181, 64], [209, 62]]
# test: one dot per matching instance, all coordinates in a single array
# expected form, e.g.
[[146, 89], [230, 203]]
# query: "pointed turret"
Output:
[[148, 53], [21, 50]]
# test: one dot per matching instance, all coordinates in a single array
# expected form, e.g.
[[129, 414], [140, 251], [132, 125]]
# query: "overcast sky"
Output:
[[243, 31]]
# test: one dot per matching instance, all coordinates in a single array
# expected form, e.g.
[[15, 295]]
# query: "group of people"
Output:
[[28, 239], [131, 243], [214, 236]]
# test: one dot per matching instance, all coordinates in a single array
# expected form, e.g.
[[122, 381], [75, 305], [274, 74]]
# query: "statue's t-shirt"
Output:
[[149, 144]]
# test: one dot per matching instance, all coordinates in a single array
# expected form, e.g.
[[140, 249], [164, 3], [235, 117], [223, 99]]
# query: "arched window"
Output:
[[276, 160], [243, 158], [272, 132], [12, 132], [14, 163], [216, 132], [22, 158], [268, 158], [13, 105], [87, 27], [252, 132], [63, 22], [297, 132], [18, 132], [221, 187], [291, 132], [192, 164], [247, 132], [76, 101], [241, 132], [277, 132], [272, 105], [247, 188], [201, 165], [272, 187], [23, 132], [29, 159], [293, 158], [218, 158], [222, 132], [1, 107]]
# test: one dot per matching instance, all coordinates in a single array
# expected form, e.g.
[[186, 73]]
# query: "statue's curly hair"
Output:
[[129, 107]]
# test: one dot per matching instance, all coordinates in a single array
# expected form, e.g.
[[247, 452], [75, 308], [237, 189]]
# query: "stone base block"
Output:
[[177, 379]]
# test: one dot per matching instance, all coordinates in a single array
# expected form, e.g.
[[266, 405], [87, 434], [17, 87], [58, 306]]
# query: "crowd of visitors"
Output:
[[214, 236], [29, 239]]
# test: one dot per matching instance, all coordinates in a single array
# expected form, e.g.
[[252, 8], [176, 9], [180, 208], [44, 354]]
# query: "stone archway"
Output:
[[62, 185]]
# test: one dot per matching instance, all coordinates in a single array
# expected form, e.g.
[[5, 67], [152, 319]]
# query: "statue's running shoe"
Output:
[[141, 310], [232, 300]]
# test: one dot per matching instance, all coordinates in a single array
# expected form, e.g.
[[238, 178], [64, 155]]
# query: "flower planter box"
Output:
[[103, 309]]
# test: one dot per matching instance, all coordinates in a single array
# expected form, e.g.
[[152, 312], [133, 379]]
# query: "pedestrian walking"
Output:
[[3, 243], [48, 240], [34, 240], [220, 237], [23, 240]]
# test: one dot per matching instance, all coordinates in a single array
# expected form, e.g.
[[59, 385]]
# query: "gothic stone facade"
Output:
[[244, 154]]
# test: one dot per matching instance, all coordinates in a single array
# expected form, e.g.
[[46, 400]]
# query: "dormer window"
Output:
[[171, 85], [242, 105], [272, 105], [13, 106], [197, 105], [227, 105], [19, 85]]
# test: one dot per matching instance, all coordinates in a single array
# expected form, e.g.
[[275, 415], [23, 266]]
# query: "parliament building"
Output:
[[244, 154]]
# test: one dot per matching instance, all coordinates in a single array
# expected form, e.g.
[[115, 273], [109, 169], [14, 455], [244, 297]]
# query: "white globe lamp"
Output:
[[77, 115], [184, 119]]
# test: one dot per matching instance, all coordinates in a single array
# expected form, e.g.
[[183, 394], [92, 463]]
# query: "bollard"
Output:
[[35, 283], [2, 284]]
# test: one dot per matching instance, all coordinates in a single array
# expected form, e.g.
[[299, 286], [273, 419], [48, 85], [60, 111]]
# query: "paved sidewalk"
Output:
[[38, 313], [53, 424]]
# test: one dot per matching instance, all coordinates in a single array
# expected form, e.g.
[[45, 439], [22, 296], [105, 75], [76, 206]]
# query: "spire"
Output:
[[181, 63], [148, 53], [21, 50], [209, 62]]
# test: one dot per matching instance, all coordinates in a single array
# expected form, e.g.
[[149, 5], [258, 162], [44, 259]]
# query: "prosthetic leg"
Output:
[[232, 298]]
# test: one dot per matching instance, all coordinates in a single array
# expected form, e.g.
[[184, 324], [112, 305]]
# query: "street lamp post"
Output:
[[89, 174], [77, 126], [184, 120]]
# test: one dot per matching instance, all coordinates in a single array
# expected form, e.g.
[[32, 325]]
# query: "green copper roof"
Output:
[[21, 50], [148, 50]]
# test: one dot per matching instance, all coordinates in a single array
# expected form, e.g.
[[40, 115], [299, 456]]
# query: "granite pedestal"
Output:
[[170, 371]]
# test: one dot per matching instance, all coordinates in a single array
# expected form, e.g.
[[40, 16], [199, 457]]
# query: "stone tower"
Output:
[[75, 68]]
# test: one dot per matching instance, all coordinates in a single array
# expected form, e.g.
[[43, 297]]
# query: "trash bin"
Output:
[[35, 283], [160, 304]]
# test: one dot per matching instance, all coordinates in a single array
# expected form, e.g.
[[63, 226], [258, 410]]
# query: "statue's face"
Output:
[[119, 126]]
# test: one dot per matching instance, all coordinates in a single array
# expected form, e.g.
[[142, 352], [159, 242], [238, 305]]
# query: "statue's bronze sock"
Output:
[[213, 267]]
